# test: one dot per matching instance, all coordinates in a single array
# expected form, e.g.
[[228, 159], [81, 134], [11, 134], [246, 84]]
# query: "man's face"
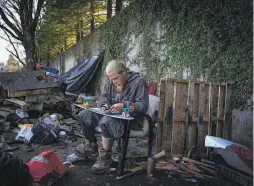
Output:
[[118, 79]]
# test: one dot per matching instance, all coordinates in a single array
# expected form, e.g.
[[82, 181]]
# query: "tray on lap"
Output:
[[110, 114]]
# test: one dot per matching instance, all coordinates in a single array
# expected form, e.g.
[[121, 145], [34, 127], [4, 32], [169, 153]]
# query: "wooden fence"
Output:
[[242, 127], [190, 110]]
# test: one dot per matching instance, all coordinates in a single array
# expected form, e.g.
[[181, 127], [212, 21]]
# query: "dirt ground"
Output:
[[80, 175]]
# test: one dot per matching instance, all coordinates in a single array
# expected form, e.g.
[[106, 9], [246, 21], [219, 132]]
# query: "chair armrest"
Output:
[[139, 114], [150, 121]]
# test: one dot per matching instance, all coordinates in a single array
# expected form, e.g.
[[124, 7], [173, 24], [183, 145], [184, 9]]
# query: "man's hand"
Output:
[[105, 107], [116, 108]]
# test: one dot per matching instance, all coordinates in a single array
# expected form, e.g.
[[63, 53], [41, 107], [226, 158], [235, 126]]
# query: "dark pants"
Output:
[[110, 127]]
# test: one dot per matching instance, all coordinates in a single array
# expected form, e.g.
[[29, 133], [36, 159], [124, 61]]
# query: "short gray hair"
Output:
[[116, 66]]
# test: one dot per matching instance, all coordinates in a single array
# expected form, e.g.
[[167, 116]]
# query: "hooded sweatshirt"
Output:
[[134, 94]]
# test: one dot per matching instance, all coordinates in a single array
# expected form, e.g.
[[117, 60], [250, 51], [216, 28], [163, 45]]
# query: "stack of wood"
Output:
[[30, 90], [196, 169], [4, 112]]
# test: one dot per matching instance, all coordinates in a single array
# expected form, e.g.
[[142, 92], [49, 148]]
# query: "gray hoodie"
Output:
[[134, 94]]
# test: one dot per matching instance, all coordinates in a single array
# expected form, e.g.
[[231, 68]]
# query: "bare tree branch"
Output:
[[10, 32], [9, 41], [21, 13], [9, 24], [16, 52], [30, 11], [9, 13], [16, 57], [37, 14], [15, 7]]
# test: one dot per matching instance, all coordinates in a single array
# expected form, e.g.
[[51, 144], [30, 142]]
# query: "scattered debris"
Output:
[[151, 162], [193, 180], [46, 168], [165, 166], [127, 175]]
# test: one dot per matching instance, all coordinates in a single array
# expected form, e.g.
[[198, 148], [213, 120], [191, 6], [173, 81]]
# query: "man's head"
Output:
[[117, 72]]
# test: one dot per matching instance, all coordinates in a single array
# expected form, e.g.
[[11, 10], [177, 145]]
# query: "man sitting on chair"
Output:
[[123, 89]]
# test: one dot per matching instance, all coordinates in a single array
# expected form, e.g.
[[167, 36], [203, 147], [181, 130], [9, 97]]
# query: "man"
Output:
[[13, 172], [123, 89]]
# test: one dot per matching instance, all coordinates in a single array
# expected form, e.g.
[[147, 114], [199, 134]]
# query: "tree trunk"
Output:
[[48, 58], [109, 9], [77, 33], [92, 17], [119, 5], [65, 45], [81, 28], [29, 45]]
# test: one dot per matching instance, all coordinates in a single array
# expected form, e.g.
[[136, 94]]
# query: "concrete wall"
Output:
[[161, 52], [85, 48]]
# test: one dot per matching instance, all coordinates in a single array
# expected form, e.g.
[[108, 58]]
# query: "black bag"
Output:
[[42, 134], [14, 120]]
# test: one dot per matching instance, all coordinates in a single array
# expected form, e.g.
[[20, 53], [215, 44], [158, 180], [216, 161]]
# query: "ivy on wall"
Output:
[[210, 39]]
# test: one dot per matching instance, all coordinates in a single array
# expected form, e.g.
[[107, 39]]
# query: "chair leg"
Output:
[[150, 148], [124, 148], [119, 145]]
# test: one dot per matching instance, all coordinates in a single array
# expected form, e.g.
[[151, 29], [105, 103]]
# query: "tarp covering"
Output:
[[234, 154], [52, 71], [27, 80], [78, 76]]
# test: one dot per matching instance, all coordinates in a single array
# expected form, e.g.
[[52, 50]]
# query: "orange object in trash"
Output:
[[28, 125], [146, 141]]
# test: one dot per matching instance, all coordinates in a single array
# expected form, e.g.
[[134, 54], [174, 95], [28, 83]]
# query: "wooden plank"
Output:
[[4, 113], [180, 104], [211, 92], [213, 172], [13, 94], [7, 109], [159, 133], [16, 101], [210, 108], [198, 163], [193, 102], [227, 114], [220, 111], [200, 82], [204, 119], [162, 100], [79, 135], [168, 116], [25, 106]]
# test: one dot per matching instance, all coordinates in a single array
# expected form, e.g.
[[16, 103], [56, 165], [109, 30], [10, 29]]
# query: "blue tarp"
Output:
[[78, 76], [52, 71]]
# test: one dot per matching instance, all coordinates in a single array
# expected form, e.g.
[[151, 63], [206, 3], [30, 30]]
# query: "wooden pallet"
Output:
[[185, 114]]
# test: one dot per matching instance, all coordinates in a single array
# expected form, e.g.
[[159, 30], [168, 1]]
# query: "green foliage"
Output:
[[58, 30], [211, 39]]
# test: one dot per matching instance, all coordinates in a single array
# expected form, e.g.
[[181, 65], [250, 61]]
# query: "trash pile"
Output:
[[44, 130]]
